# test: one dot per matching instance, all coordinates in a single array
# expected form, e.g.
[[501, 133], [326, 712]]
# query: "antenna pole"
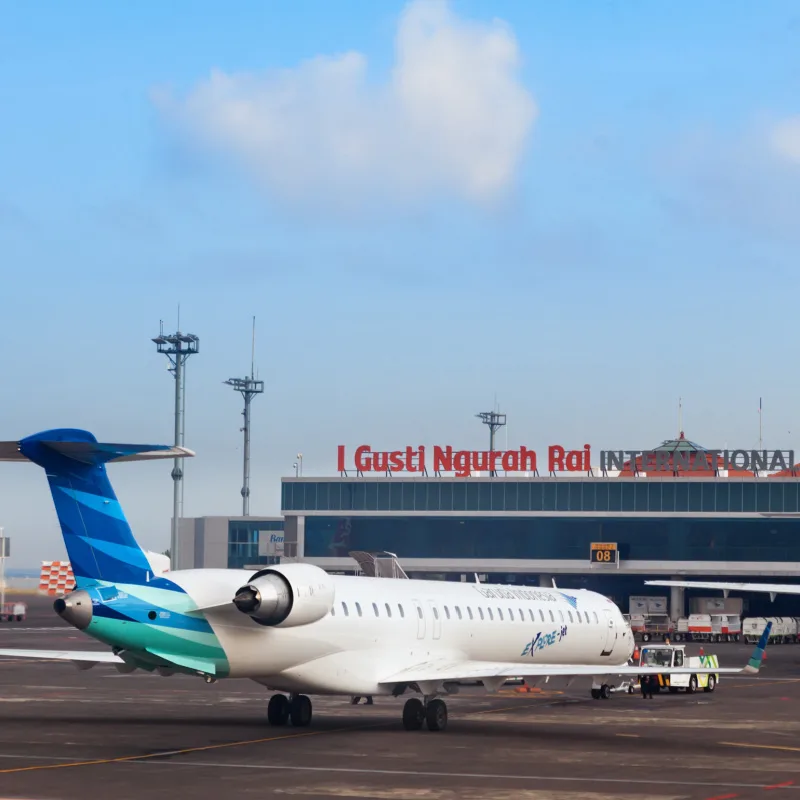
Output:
[[680, 416], [495, 421], [760, 429], [249, 388]]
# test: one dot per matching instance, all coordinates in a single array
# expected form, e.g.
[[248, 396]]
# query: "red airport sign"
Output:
[[463, 463]]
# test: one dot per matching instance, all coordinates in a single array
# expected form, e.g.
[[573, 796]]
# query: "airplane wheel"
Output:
[[595, 694], [712, 684], [436, 715], [278, 709], [300, 711], [605, 691], [413, 714]]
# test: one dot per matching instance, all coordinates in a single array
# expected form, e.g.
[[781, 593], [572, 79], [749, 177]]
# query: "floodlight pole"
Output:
[[177, 347]]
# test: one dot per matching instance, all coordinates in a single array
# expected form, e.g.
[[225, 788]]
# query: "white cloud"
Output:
[[785, 139], [453, 116]]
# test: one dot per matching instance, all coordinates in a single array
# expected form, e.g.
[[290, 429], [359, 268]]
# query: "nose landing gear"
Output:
[[603, 693]]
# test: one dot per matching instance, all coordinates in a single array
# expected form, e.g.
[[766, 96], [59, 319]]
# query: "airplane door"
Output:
[[610, 635], [436, 619], [420, 619]]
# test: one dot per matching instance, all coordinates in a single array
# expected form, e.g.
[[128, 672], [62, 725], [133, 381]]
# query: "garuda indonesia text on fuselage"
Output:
[[296, 629]]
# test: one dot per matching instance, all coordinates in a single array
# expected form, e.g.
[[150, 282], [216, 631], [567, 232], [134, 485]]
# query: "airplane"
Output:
[[299, 631], [726, 587]]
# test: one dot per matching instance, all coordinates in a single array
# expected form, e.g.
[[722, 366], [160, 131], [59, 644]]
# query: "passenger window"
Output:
[[333, 611], [500, 613], [469, 611], [490, 614], [569, 614], [419, 612], [388, 610], [561, 614], [578, 617], [530, 614], [678, 658], [402, 613], [358, 608], [344, 608], [458, 612], [447, 612], [435, 612], [521, 615], [541, 614], [375, 608], [586, 614], [595, 617], [480, 611], [552, 617]]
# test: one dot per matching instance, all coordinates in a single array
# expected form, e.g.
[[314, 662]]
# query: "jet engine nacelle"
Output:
[[287, 595]]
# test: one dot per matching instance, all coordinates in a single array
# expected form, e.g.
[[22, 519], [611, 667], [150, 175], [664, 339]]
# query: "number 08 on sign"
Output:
[[604, 553]]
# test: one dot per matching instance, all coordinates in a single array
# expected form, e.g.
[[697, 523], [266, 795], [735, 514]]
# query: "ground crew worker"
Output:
[[647, 682]]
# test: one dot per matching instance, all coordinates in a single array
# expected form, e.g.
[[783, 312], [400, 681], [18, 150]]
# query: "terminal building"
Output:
[[675, 511]]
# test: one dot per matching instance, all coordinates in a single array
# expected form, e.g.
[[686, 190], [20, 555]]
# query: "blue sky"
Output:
[[585, 210]]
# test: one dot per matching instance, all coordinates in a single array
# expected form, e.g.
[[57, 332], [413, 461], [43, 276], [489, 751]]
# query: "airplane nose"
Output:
[[75, 608]]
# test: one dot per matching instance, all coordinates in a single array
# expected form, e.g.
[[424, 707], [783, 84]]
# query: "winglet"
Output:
[[754, 664]]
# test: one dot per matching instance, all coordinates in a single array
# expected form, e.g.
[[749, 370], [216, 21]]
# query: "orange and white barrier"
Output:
[[56, 578]]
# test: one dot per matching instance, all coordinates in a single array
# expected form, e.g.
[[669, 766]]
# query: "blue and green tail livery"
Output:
[[99, 541], [109, 565]]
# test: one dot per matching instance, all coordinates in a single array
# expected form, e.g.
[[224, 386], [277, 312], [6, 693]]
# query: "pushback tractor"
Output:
[[671, 656]]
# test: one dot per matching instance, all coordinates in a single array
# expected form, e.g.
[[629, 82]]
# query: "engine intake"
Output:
[[287, 595]]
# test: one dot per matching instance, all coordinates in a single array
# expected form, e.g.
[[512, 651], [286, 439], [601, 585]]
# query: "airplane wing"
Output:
[[90, 656], [772, 588], [496, 672]]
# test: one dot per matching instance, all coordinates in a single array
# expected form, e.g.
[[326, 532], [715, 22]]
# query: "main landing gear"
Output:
[[432, 712], [295, 709], [603, 693]]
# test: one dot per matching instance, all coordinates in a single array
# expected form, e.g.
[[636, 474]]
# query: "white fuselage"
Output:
[[379, 626]]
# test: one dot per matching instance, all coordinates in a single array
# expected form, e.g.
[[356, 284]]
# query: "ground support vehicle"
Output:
[[675, 656], [10, 612], [654, 626], [784, 629]]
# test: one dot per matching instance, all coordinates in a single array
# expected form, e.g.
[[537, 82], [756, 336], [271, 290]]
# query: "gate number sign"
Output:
[[604, 553]]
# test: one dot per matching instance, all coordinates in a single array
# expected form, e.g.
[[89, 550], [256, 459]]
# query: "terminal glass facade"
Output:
[[243, 536], [639, 538], [627, 496]]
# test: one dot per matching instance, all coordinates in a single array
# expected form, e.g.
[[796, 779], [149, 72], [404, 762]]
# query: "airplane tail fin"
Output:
[[99, 541], [754, 664]]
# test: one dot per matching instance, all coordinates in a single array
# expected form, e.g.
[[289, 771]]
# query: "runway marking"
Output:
[[722, 797], [185, 750], [762, 746], [655, 781], [629, 735], [783, 785]]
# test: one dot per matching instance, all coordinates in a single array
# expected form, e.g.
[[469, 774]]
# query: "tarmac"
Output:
[[66, 734]]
